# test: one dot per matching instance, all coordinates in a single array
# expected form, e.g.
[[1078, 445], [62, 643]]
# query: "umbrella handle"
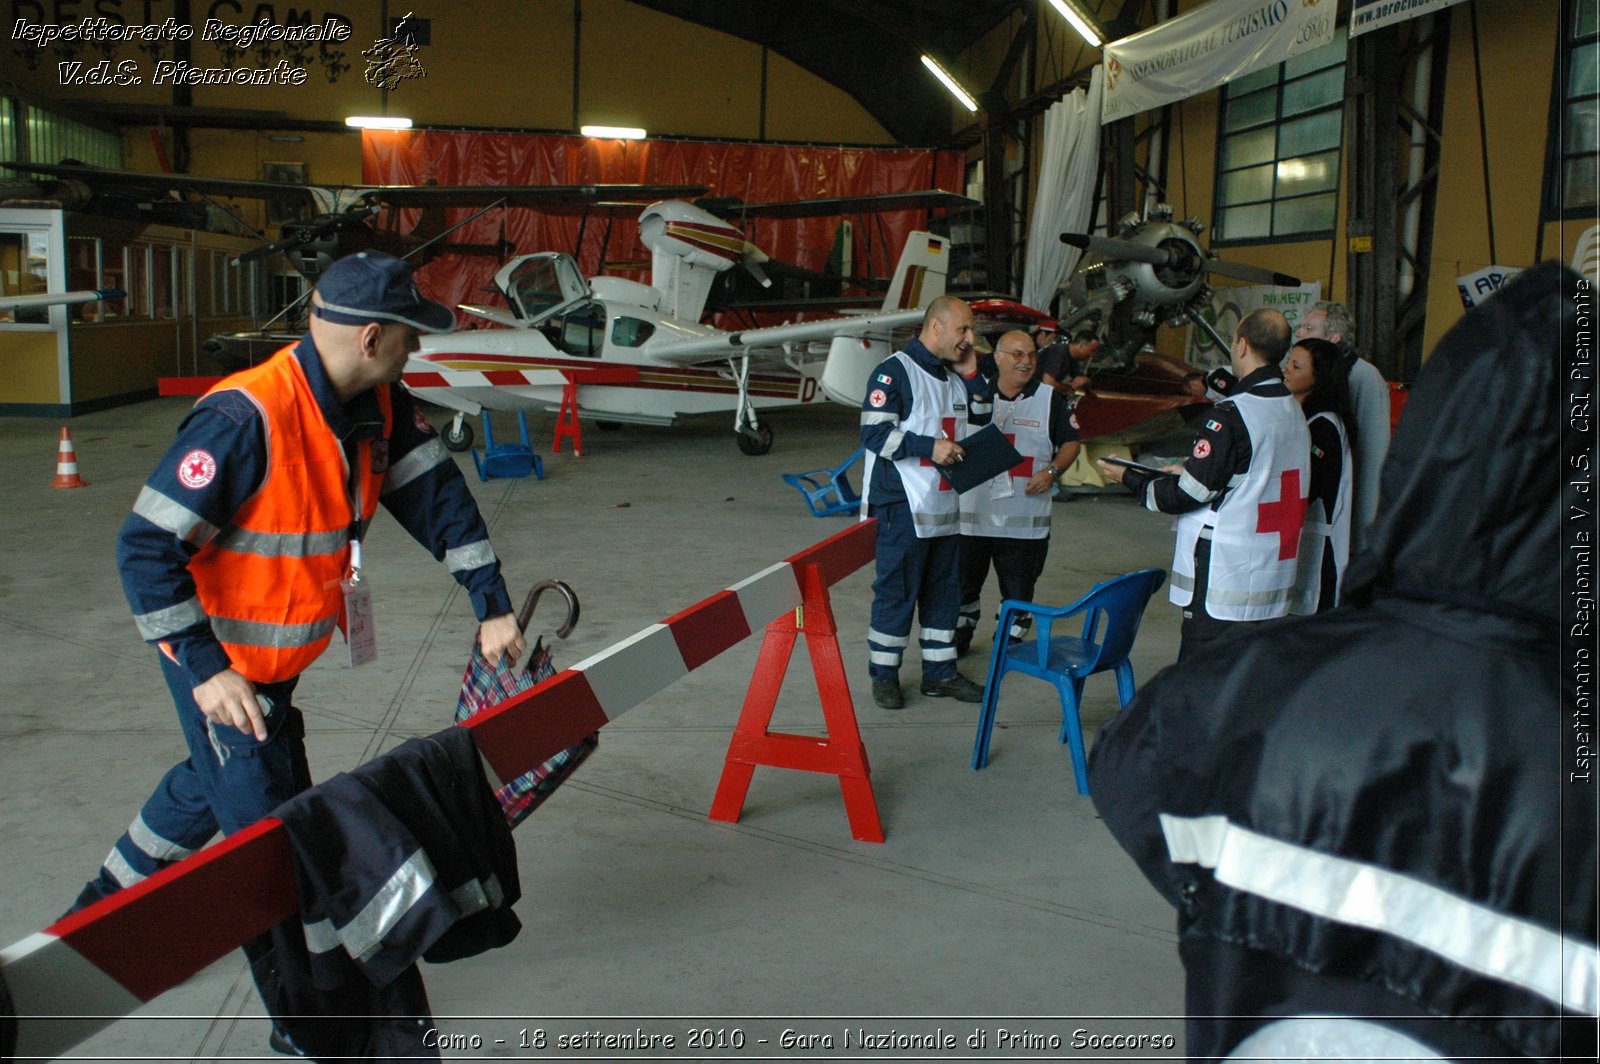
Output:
[[533, 600]]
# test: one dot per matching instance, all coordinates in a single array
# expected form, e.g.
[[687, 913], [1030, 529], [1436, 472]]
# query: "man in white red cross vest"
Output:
[[913, 417], [1240, 495], [1005, 523]]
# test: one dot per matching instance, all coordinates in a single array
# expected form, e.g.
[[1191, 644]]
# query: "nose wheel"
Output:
[[458, 435], [755, 441]]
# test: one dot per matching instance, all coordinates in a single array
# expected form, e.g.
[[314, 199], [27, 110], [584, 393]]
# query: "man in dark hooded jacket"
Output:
[[1367, 813]]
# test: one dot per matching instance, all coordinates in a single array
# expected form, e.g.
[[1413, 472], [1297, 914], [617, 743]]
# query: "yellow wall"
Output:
[[1518, 45], [31, 371], [124, 358], [492, 63]]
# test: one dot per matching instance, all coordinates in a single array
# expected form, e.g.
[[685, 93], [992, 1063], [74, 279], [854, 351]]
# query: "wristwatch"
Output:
[[1053, 471]]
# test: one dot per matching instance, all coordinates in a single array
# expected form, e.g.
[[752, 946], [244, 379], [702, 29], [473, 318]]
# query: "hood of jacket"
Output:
[[1469, 503]]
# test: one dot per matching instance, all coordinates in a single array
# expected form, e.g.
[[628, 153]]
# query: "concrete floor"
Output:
[[998, 901]]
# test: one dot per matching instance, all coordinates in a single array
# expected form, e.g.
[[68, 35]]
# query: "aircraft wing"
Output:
[[772, 340], [553, 199], [931, 199], [95, 177]]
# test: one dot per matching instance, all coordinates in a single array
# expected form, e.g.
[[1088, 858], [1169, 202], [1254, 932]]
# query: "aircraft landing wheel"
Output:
[[458, 437], [756, 442], [608, 426]]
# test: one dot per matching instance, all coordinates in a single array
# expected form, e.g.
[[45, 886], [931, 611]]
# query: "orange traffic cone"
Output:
[[67, 465]]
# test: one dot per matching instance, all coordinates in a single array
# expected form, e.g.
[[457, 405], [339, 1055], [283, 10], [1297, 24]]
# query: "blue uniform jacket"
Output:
[[174, 517]]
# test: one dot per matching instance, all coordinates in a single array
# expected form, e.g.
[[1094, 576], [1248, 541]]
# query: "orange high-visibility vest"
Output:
[[270, 581]]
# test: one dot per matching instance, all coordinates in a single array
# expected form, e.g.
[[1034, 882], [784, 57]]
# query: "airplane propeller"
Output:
[[1176, 254]]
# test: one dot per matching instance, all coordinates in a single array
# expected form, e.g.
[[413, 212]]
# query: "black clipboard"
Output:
[[988, 454], [1151, 470]]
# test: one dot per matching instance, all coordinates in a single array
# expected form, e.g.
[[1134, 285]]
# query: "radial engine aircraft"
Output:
[[1152, 272], [618, 350]]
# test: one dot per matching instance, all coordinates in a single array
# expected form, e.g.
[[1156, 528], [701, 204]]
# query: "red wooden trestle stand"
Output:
[[567, 419], [840, 754]]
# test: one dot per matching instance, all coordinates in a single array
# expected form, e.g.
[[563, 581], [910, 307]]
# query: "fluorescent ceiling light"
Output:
[[950, 83], [613, 132], [1080, 22], [377, 122]]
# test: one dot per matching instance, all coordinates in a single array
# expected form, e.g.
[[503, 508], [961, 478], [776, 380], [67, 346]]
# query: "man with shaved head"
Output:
[[1240, 496], [243, 555], [913, 417], [1006, 522]]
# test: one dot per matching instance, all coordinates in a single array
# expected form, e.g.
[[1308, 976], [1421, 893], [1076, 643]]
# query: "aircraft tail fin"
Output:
[[920, 277]]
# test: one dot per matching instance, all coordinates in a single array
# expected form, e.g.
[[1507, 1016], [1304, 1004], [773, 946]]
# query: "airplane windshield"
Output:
[[545, 283]]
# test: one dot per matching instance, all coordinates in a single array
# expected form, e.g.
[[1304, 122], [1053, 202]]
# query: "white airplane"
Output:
[[621, 351]]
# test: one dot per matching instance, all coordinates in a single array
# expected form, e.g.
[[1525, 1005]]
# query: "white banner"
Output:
[[1368, 15], [1203, 48], [1229, 303], [1479, 285]]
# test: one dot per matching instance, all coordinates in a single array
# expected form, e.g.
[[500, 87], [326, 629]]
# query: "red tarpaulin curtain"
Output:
[[755, 173]]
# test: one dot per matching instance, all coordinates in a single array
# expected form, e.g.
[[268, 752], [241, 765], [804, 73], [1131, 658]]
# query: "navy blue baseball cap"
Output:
[[374, 286]]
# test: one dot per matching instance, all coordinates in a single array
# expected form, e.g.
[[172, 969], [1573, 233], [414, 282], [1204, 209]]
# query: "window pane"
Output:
[[1588, 20], [1243, 186], [1261, 79], [1580, 129], [1251, 110], [1580, 177], [1310, 173], [1330, 54], [24, 271], [138, 286], [1307, 215], [1583, 70], [1239, 223], [1310, 134], [1247, 149], [1319, 90], [161, 278]]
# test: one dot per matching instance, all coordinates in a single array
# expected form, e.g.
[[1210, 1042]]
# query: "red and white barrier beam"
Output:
[[85, 971]]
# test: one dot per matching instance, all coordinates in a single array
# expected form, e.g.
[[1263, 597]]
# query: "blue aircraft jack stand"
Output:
[[507, 459]]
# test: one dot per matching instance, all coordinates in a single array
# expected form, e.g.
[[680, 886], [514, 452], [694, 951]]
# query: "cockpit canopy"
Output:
[[538, 286]]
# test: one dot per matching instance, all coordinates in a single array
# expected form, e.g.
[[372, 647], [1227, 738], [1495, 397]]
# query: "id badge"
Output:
[[1001, 486], [360, 629]]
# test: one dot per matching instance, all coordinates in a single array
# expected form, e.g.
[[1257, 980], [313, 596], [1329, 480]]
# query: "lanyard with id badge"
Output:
[[360, 628]]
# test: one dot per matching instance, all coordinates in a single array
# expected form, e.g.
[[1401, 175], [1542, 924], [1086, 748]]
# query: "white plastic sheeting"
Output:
[[1066, 190]]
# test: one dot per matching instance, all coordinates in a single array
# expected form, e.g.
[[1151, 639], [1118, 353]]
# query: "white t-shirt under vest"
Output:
[[1323, 529], [1002, 507], [1254, 527], [938, 407]]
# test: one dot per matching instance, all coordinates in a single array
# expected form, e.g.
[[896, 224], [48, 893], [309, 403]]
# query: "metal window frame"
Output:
[[1276, 123], [1552, 205]]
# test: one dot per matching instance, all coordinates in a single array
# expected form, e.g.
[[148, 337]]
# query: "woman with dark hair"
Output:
[[1317, 374]]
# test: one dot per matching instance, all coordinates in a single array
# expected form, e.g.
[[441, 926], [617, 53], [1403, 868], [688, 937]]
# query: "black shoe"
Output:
[[887, 694], [957, 687], [280, 1042]]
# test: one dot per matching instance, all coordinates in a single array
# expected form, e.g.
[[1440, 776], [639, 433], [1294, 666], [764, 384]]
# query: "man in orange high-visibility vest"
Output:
[[243, 551]]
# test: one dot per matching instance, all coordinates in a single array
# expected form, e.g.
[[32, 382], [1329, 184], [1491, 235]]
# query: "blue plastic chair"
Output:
[[507, 459], [828, 491], [1067, 661]]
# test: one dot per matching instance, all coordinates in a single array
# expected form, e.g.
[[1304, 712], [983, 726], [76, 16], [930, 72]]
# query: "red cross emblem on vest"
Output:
[[1023, 468], [947, 429], [1286, 516]]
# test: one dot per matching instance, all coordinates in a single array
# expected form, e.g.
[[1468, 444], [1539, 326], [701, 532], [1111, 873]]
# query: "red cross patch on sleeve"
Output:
[[1202, 448], [878, 397], [197, 469]]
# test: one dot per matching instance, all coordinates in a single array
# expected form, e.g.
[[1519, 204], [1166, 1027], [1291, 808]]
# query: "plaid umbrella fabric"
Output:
[[485, 684]]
